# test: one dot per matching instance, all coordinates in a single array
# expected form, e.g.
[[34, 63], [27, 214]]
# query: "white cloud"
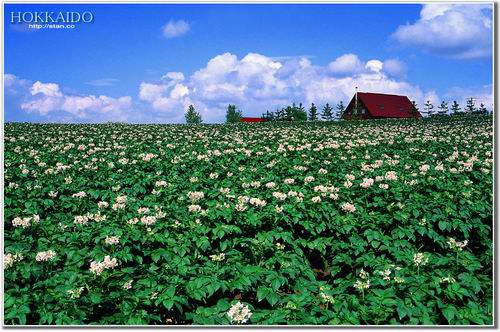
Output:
[[395, 67], [461, 31], [374, 66], [174, 29], [346, 64], [174, 76], [47, 89], [150, 92], [48, 100], [256, 83], [179, 91]]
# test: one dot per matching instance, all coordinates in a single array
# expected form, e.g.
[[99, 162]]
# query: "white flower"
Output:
[[447, 279], [359, 284], [195, 196], [420, 259], [424, 168], [279, 196], [102, 205], [112, 240], [327, 298], [148, 220], [309, 179], [348, 207], [218, 258], [143, 210], [75, 293], [80, 194], [81, 220], [98, 267], [128, 284], [239, 313], [386, 274], [10, 259], [257, 202], [367, 183], [391, 176], [457, 245], [21, 222], [194, 208], [316, 199], [161, 183], [44, 256]]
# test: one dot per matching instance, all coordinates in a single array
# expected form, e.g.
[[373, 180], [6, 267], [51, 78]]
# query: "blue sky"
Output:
[[146, 63]]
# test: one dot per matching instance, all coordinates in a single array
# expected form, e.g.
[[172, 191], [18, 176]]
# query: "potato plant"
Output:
[[353, 223]]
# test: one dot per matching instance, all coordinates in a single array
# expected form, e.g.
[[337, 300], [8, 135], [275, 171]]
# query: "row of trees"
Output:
[[444, 108], [299, 113]]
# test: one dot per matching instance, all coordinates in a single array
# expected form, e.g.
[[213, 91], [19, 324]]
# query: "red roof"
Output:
[[387, 106], [243, 119]]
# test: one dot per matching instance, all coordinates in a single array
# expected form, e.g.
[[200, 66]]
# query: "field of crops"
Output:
[[374, 222]]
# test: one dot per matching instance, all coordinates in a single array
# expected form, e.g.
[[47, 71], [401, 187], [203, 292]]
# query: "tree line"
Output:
[[328, 113], [454, 109]]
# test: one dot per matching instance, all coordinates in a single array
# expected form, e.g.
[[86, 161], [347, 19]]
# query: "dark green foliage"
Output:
[[193, 117], [470, 107], [455, 107], [327, 113], [294, 267], [340, 109], [313, 113], [232, 114]]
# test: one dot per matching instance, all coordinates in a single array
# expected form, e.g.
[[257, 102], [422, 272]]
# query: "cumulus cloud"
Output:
[[395, 67], [456, 30], [174, 29], [346, 64], [48, 100], [257, 83]]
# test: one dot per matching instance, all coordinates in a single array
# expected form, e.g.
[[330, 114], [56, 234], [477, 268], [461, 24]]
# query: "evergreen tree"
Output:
[[280, 114], [192, 117], [428, 108], [414, 108], [313, 113], [299, 113], [268, 116], [455, 107], [289, 112], [327, 113], [482, 109], [232, 115], [443, 108], [340, 110], [470, 107]]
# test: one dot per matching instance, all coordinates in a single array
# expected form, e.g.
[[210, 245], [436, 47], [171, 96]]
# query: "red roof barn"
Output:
[[379, 106], [246, 119]]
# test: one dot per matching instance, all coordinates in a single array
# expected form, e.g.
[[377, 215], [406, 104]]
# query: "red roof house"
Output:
[[246, 119], [379, 106]]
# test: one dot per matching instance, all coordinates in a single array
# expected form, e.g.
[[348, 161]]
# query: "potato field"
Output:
[[375, 222]]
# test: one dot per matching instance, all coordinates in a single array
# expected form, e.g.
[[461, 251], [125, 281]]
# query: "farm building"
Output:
[[379, 106], [247, 119]]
